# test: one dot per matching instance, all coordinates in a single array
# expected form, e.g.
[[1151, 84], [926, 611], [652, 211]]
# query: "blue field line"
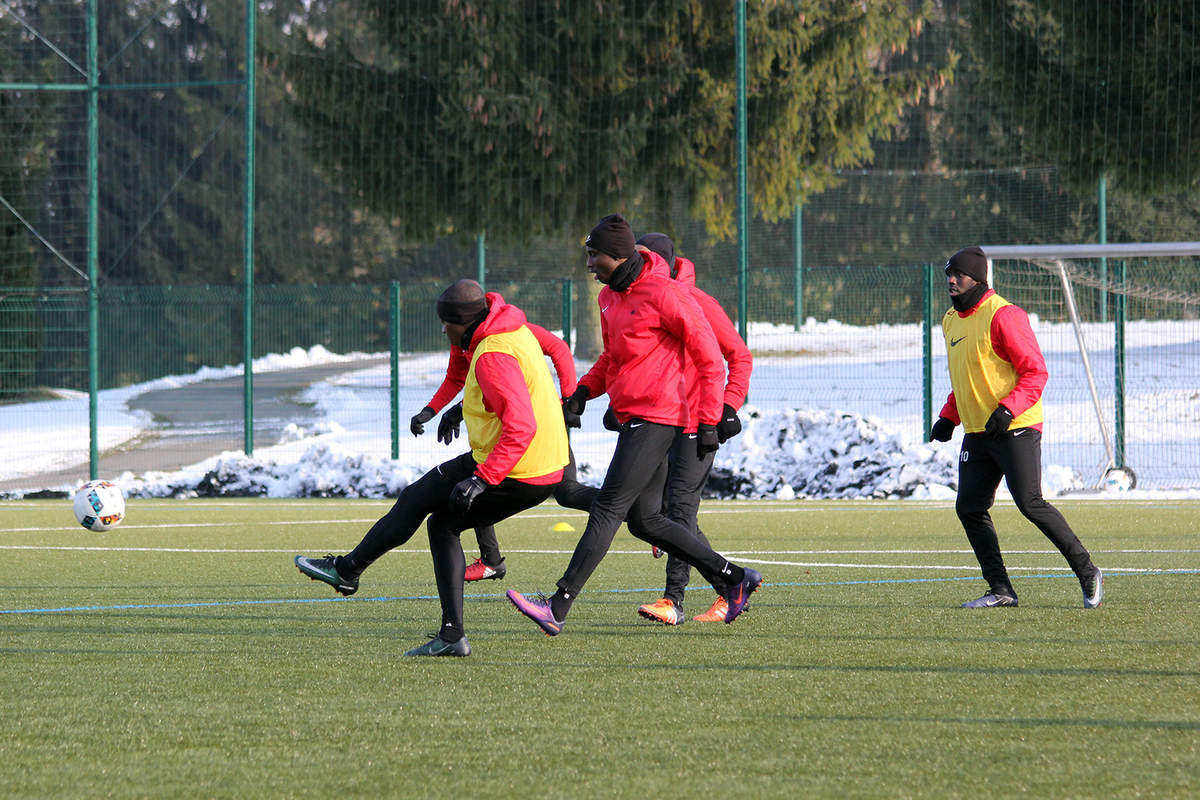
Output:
[[293, 601]]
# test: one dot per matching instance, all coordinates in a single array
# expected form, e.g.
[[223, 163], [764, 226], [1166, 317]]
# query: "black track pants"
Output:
[[429, 497], [633, 491], [1017, 457], [685, 480], [569, 493]]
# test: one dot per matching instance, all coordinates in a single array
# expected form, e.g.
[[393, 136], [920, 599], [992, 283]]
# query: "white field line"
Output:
[[740, 554], [640, 552], [709, 505], [550, 512], [575, 515]]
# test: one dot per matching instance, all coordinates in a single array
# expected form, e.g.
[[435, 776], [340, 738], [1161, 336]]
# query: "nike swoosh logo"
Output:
[[636, 424], [1018, 433], [956, 341]]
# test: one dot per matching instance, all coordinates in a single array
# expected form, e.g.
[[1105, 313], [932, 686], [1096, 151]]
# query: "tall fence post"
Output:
[[743, 225], [394, 363], [928, 271], [798, 265], [248, 237], [568, 308], [93, 241], [1102, 224], [1119, 369], [481, 259]]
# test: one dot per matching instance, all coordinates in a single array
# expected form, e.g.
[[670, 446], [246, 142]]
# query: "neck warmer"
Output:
[[469, 333], [965, 302], [624, 275]]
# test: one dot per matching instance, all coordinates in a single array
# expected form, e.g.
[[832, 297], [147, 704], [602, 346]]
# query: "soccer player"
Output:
[[997, 374], [518, 450], [647, 325], [490, 564], [687, 474]]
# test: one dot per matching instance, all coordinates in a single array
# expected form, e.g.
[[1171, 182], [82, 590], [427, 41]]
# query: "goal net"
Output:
[[1119, 325]]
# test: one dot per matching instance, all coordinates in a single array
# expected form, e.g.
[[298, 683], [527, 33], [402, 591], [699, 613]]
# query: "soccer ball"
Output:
[[1118, 479], [99, 505]]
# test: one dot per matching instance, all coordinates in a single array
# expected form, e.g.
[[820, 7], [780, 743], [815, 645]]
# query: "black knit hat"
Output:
[[462, 303], [661, 244], [970, 261], [612, 236]]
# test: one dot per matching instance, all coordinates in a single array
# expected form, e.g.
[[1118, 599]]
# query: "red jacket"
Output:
[[456, 368], [649, 331], [507, 395], [733, 349]]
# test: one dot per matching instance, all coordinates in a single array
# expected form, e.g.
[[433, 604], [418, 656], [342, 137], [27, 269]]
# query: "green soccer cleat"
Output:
[[437, 647], [325, 570]]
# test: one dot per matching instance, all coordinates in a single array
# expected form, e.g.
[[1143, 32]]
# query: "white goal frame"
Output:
[[1058, 254]]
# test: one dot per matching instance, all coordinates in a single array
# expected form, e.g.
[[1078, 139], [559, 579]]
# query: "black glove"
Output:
[[571, 419], [576, 401], [729, 426], [610, 420], [998, 422], [417, 423], [448, 425], [706, 440], [464, 493], [942, 430]]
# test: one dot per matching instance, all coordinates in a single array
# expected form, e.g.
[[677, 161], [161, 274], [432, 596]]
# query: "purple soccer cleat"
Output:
[[537, 609], [738, 595]]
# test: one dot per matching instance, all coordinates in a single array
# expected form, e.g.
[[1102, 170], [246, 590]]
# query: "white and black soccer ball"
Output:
[[99, 505], [1118, 479]]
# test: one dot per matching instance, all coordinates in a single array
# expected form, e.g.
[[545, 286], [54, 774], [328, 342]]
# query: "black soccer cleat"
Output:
[[1093, 589], [991, 600]]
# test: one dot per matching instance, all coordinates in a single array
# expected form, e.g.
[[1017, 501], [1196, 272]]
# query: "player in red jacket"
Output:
[[649, 329], [490, 564], [997, 374], [687, 475], [518, 442]]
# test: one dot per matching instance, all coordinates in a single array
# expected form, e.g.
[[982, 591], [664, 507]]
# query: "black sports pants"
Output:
[[633, 491], [686, 475], [569, 493], [1015, 456], [429, 497]]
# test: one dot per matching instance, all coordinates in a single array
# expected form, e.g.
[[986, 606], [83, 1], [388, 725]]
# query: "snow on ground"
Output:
[[805, 435]]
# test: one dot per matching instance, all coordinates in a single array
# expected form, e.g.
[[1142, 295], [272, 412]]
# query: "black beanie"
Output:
[[611, 236], [970, 261], [661, 244], [462, 303]]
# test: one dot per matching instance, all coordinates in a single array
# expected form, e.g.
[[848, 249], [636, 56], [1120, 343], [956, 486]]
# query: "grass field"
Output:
[[182, 655]]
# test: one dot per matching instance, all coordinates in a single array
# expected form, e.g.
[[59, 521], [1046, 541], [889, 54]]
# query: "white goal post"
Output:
[[1054, 257]]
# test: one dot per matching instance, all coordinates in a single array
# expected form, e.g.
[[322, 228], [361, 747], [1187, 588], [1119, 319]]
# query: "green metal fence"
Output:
[[200, 184], [1142, 345]]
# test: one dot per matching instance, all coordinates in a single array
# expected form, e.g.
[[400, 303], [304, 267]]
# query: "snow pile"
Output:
[[780, 454], [322, 471], [829, 454]]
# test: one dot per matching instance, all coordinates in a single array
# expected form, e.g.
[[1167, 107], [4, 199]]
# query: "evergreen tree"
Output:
[[532, 118], [1098, 87]]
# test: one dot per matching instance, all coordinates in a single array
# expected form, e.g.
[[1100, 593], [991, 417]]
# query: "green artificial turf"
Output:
[[183, 655]]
